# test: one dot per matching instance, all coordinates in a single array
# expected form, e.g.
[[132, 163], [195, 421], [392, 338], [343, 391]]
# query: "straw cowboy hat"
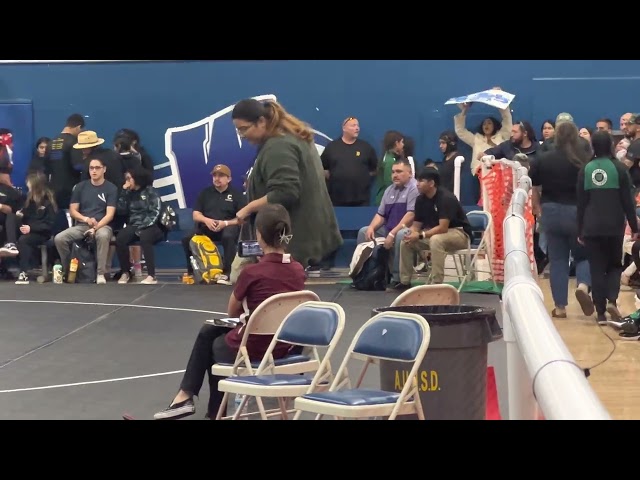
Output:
[[88, 139]]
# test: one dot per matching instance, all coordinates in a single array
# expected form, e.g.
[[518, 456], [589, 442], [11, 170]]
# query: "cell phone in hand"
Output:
[[250, 248]]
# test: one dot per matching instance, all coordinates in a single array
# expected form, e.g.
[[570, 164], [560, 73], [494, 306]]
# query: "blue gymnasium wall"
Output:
[[406, 95]]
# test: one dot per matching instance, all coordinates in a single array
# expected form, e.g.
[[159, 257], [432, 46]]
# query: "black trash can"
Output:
[[452, 378]]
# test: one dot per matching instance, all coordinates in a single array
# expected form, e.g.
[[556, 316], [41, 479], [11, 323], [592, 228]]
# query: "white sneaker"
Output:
[[100, 280], [124, 279], [149, 281], [23, 279], [223, 280]]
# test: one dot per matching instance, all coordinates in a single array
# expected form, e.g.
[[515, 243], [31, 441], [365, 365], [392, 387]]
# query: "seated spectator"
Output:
[[38, 161], [440, 226], [93, 206], [276, 272], [214, 214], [37, 219], [10, 202], [628, 243], [395, 214], [141, 205]]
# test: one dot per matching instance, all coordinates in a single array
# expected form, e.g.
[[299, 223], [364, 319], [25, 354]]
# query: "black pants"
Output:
[[148, 238], [229, 239], [28, 246], [10, 223], [605, 263], [209, 348]]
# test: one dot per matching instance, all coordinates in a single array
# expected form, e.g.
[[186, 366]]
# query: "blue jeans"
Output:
[[560, 226], [394, 258]]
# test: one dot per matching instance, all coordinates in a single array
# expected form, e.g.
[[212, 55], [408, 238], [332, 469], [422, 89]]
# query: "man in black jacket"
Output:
[[604, 200]]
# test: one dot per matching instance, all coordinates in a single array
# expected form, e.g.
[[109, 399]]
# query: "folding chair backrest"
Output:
[[480, 222], [393, 336], [313, 323], [436, 294], [268, 316]]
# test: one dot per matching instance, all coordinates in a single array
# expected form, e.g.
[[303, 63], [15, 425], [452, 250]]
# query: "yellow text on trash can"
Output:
[[427, 380]]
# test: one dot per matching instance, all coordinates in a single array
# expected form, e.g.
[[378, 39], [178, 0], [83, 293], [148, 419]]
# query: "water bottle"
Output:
[[57, 273], [236, 404]]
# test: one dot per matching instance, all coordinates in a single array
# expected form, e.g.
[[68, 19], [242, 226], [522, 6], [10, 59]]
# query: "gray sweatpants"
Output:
[[65, 238]]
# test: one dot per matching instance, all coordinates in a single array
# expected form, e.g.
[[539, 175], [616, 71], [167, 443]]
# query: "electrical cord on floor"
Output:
[[586, 371], [338, 294]]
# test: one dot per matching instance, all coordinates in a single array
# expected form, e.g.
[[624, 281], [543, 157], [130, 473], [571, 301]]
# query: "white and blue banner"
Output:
[[495, 98]]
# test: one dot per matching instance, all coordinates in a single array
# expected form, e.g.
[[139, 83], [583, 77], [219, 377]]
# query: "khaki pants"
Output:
[[439, 245], [65, 238]]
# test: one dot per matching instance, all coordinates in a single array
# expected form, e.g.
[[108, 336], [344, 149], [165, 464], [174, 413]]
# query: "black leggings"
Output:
[[29, 247], [148, 238], [10, 223], [605, 262], [209, 348]]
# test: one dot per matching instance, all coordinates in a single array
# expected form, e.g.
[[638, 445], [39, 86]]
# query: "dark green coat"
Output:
[[289, 171]]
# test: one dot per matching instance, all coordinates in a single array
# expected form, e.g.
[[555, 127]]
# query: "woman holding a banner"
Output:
[[490, 133]]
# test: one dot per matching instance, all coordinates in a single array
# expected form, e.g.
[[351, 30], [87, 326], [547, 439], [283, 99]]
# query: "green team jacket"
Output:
[[289, 171]]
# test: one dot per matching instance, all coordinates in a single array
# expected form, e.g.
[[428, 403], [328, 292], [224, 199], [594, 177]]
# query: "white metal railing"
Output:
[[541, 371]]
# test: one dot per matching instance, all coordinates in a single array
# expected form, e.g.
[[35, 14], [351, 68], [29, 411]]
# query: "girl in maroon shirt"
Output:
[[275, 273]]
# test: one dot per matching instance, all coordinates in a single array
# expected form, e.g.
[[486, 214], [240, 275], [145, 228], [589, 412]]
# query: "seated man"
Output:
[[440, 226], [10, 202], [215, 216], [394, 215], [93, 205]]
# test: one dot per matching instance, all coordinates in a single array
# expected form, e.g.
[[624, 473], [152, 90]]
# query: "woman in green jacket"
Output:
[[288, 171]]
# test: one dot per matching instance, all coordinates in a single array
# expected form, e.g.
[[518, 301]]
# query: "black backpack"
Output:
[[371, 270]]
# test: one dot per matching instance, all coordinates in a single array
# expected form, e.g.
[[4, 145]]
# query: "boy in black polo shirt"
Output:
[[215, 216], [440, 226]]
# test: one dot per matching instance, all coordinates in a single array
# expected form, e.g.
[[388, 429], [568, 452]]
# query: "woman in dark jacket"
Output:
[[288, 171], [142, 206], [605, 201], [38, 217]]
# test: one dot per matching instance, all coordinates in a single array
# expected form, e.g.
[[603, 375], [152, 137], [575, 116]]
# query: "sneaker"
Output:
[[398, 287], [124, 278], [177, 411], [584, 299], [631, 327], [601, 318], [612, 310], [149, 281], [223, 280], [9, 250], [23, 279], [188, 279], [100, 280]]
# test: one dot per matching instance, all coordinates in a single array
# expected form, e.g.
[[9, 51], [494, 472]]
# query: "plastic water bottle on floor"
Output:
[[236, 404]]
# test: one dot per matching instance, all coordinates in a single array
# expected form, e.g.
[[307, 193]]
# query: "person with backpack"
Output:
[[214, 215], [141, 204], [395, 214]]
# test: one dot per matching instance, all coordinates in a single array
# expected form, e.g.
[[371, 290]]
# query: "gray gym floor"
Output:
[[96, 352]]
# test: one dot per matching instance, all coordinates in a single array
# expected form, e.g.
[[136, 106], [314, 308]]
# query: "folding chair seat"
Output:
[[394, 336], [265, 320], [312, 325]]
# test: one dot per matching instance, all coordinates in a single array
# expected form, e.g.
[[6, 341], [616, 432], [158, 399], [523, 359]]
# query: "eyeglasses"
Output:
[[348, 119], [96, 168], [244, 129]]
